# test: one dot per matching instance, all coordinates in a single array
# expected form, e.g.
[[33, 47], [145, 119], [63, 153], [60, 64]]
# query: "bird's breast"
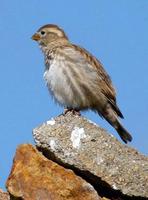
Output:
[[72, 85], [59, 83]]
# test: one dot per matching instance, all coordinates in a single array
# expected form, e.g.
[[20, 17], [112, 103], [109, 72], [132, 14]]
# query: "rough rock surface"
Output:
[[34, 177], [4, 195], [89, 150]]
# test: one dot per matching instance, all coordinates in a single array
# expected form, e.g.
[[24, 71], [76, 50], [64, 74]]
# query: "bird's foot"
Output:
[[73, 111]]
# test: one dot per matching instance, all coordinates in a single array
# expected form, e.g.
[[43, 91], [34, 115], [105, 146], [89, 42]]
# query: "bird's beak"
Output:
[[36, 37]]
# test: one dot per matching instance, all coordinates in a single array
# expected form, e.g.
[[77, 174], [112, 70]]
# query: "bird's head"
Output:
[[49, 33]]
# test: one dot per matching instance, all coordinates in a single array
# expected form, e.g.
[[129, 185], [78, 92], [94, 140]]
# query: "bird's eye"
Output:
[[42, 32]]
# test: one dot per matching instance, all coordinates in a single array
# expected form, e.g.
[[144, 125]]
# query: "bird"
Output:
[[76, 79]]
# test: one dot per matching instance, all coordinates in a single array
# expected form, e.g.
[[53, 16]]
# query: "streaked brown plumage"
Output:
[[76, 79]]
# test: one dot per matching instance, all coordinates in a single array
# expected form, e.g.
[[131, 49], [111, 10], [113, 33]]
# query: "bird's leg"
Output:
[[74, 111]]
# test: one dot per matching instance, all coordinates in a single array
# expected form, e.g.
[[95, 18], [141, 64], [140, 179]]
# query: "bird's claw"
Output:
[[73, 111]]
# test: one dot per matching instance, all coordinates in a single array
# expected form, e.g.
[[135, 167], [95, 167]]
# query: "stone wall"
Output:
[[75, 159]]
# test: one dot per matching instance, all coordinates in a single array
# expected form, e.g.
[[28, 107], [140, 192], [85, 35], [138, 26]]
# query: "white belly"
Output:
[[58, 85], [66, 83]]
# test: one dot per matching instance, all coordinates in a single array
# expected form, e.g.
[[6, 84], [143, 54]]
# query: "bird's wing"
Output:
[[105, 81], [83, 58]]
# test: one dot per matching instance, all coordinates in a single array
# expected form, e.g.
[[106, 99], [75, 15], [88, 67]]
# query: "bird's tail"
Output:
[[124, 134], [112, 118]]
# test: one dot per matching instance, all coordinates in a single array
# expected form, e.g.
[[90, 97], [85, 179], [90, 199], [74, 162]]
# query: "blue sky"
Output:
[[115, 31]]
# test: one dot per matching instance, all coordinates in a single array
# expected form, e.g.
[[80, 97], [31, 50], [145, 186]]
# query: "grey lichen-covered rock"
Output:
[[81, 145]]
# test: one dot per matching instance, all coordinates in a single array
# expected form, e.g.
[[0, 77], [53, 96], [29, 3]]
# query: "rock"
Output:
[[34, 177], [4, 195], [113, 168]]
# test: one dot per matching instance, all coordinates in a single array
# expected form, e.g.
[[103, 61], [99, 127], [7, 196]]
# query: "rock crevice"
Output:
[[102, 188]]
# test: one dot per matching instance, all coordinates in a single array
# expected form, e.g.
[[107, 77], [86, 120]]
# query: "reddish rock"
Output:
[[4, 195], [33, 177]]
